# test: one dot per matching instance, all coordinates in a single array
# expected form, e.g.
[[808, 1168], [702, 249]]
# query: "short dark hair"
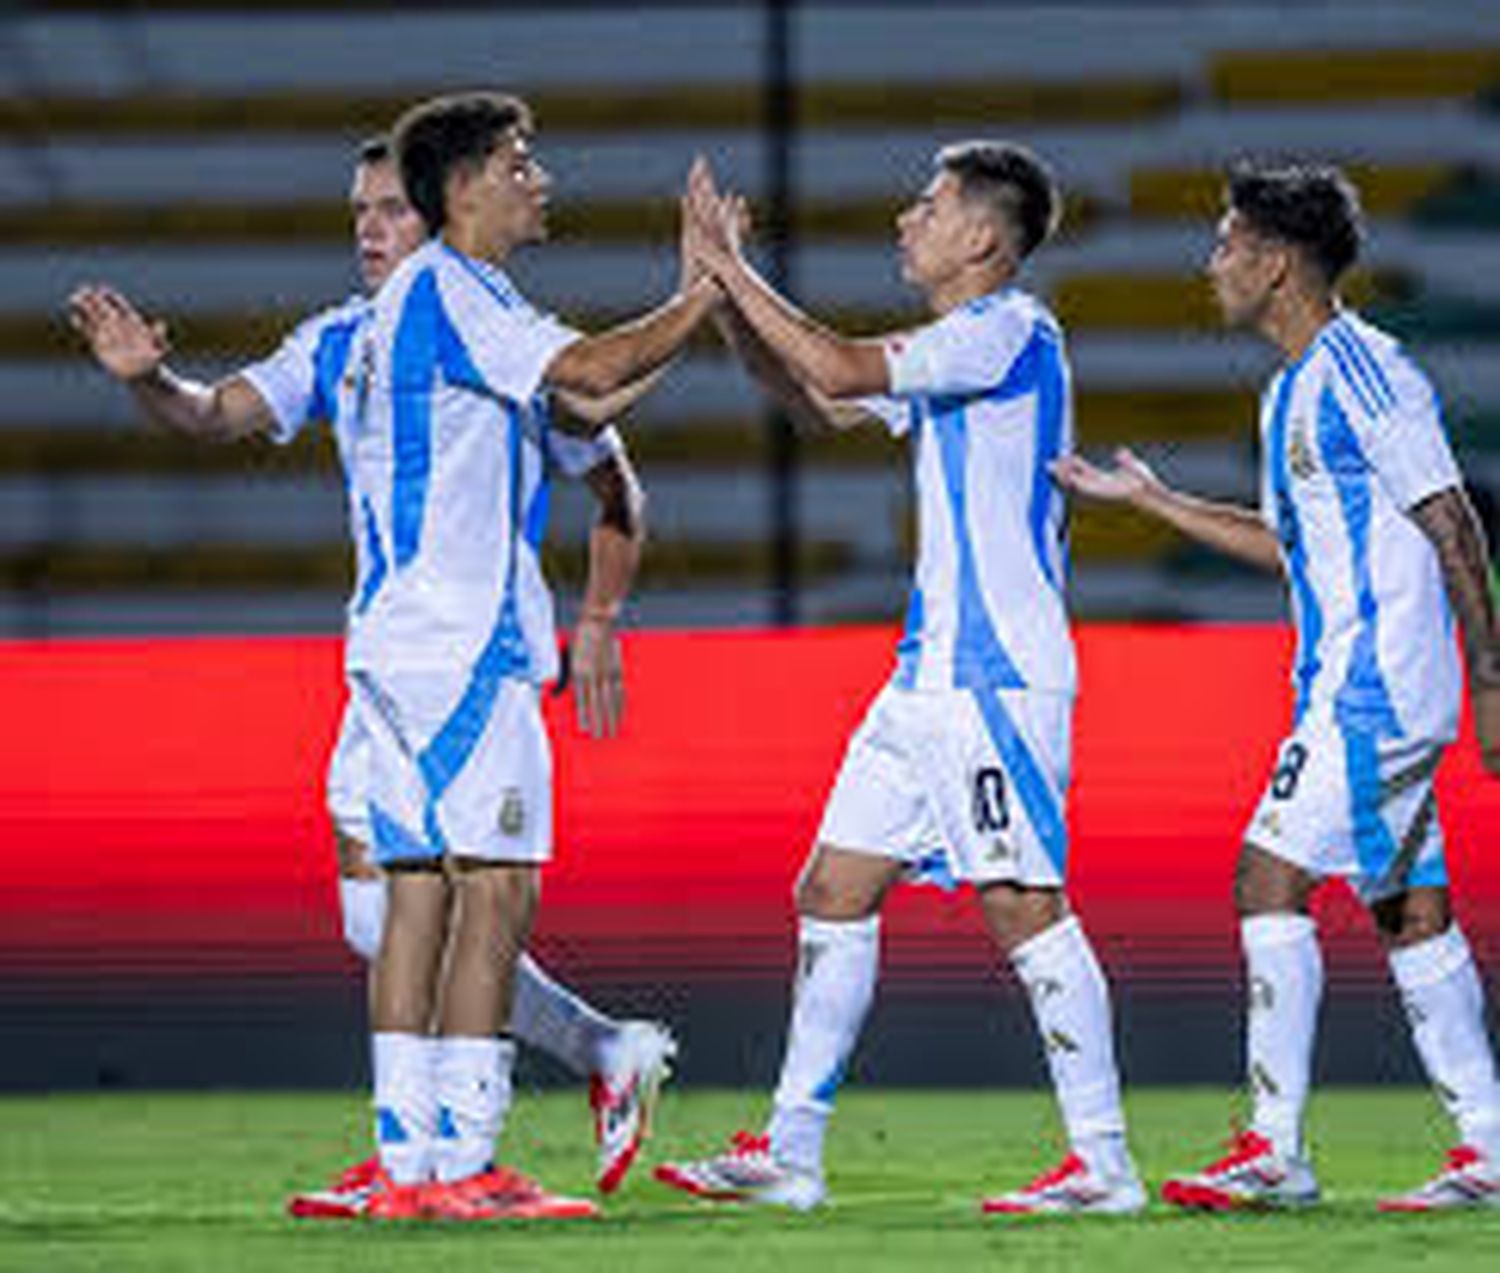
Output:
[[436, 138], [1013, 181], [1311, 207], [374, 150]]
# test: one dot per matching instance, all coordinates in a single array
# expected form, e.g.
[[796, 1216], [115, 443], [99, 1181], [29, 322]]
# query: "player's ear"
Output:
[[458, 189], [988, 237]]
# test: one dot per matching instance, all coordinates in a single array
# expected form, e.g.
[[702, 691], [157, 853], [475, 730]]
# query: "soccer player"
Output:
[[967, 750], [1364, 508], [453, 634], [276, 398]]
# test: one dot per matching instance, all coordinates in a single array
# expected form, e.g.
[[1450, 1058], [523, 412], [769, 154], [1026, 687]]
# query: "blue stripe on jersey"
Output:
[[541, 497], [1358, 383], [979, 659], [505, 655], [1362, 700], [1046, 499], [1043, 809], [909, 648], [413, 376], [1360, 350], [369, 586], [426, 343], [329, 360], [1309, 615]]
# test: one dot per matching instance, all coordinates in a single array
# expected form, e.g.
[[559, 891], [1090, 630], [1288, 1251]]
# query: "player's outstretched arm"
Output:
[[614, 556], [1448, 519], [134, 350], [818, 362], [1226, 527], [808, 408], [614, 360]]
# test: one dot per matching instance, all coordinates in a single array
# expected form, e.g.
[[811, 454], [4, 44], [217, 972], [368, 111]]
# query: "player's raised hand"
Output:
[[707, 220], [123, 341], [1129, 480], [598, 678], [690, 234]]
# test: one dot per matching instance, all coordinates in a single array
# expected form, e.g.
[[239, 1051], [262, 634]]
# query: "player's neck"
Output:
[[1292, 324], [965, 286], [469, 240]]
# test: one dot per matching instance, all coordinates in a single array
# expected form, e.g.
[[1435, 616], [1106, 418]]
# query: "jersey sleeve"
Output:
[[575, 456], [964, 352], [1398, 421], [509, 343], [287, 381], [891, 412]]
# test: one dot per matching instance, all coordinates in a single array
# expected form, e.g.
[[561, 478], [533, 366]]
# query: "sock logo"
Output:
[[1261, 1080], [1057, 1041], [1262, 995]]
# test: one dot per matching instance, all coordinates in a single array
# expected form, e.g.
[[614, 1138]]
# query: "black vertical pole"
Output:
[[780, 124]]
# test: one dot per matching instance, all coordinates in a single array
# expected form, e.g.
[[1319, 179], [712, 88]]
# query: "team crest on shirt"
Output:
[[512, 812], [359, 372], [1299, 452]]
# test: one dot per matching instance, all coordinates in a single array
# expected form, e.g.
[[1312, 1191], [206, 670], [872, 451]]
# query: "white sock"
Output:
[[1070, 1001], [406, 1111], [362, 902], [836, 967], [473, 1086], [1445, 1006], [1284, 972], [551, 1017]]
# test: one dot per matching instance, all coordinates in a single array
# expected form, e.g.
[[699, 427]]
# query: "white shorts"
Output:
[[348, 783], [456, 765], [1345, 802], [979, 777]]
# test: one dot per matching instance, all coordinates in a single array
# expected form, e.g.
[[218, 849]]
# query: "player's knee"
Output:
[[820, 894], [1265, 884], [1412, 917], [504, 892], [1016, 914]]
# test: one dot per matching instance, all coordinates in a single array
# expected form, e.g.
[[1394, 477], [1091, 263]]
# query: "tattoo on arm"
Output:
[[1449, 521]]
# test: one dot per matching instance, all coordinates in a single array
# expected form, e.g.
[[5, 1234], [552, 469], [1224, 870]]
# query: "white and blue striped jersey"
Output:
[[985, 394], [1352, 438], [433, 393], [307, 379]]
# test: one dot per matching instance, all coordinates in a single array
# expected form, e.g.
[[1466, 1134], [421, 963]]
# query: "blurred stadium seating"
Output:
[[197, 155]]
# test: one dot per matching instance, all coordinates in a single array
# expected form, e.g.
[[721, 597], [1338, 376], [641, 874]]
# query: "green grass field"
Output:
[[165, 1182]]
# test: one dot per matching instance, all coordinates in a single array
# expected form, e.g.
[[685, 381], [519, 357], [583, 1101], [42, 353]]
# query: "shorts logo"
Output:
[[991, 813], [512, 812], [1269, 822]]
